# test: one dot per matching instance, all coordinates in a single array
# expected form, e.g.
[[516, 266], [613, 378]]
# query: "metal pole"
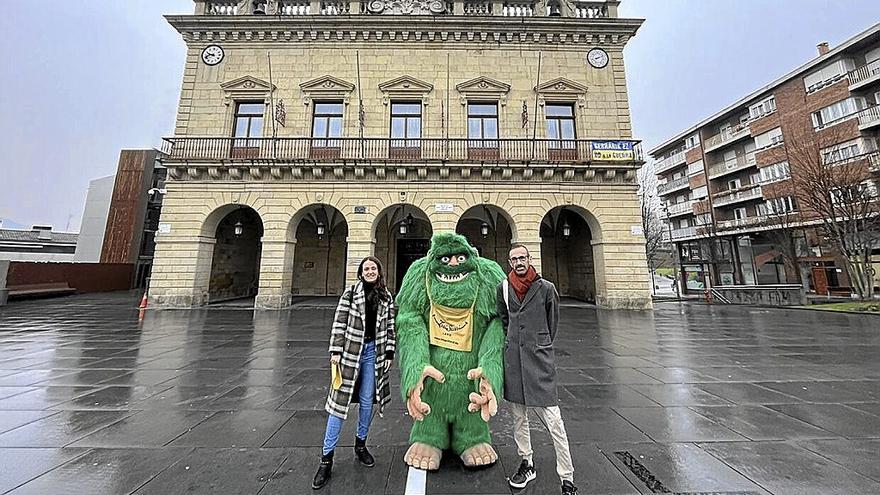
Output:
[[675, 260]]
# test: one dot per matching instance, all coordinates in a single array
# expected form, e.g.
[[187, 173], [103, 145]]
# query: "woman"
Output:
[[362, 342]]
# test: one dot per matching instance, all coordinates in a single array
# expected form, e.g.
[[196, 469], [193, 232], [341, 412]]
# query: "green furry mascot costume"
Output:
[[448, 329]]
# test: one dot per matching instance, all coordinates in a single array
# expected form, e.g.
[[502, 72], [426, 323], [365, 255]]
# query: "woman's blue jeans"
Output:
[[366, 397]]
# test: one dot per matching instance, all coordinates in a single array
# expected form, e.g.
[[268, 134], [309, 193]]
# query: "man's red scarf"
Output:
[[521, 284]]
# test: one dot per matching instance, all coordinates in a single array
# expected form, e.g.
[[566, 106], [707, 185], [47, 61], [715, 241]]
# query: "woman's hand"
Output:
[[335, 358]]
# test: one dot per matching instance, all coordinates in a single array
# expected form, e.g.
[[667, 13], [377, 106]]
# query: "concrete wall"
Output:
[[94, 220]]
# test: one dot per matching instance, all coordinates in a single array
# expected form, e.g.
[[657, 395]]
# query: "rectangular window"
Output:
[[326, 124], [406, 126], [774, 173], [692, 141], [847, 151], [734, 184], [838, 112], [482, 130], [560, 126], [683, 223], [769, 138], [695, 168], [763, 107], [740, 214], [700, 192], [247, 129]]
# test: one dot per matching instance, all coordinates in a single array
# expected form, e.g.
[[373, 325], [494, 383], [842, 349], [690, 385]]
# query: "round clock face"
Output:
[[212, 55], [597, 57]]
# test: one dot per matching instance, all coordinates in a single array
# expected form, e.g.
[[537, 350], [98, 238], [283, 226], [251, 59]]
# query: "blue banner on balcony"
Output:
[[606, 151]]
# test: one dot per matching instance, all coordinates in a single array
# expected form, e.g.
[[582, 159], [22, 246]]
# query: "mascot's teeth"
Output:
[[451, 279]]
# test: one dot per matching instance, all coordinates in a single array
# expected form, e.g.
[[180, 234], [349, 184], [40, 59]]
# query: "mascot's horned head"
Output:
[[451, 258]]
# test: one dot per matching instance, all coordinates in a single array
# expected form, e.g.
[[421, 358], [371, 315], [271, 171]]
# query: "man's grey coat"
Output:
[[530, 326]]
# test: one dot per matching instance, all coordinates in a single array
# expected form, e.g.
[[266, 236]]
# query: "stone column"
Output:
[[358, 248], [622, 274], [181, 271], [276, 274]]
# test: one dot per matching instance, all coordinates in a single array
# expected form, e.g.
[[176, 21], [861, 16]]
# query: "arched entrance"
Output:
[[567, 253], [321, 233], [402, 234], [489, 229], [235, 264]]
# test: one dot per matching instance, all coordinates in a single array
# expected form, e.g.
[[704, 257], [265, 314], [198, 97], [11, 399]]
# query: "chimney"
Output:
[[823, 48]]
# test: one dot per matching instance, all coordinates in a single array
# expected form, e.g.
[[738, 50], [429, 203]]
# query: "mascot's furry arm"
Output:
[[412, 329]]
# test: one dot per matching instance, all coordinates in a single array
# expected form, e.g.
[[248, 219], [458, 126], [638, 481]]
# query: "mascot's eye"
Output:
[[444, 259], [462, 258]]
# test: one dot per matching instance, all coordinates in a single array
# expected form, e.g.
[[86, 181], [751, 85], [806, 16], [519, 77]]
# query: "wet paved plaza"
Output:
[[684, 399]]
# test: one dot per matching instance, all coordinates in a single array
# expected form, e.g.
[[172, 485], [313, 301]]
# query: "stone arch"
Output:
[[235, 232], [499, 228], [222, 204], [398, 250], [569, 255], [320, 234]]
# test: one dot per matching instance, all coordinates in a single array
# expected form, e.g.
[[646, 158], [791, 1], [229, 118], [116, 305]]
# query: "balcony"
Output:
[[728, 136], [581, 9], [680, 183], [669, 162], [684, 233], [679, 209], [739, 163], [738, 223], [738, 196], [869, 118], [304, 149], [874, 161], [864, 75]]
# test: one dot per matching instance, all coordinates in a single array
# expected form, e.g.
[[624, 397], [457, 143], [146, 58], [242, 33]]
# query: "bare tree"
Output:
[[652, 226], [840, 192]]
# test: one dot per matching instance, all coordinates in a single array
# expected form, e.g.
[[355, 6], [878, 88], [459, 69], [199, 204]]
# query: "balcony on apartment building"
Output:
[[864, 75], [741, 162], [582, 9], [727, 136], [739, 223], [678, 209], [874, 161], [670, 162], [369, 149], [869, 118], [747, 193], [684, 233], [672, 186]]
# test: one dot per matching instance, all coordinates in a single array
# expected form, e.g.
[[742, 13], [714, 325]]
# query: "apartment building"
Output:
[[726, 181], [313, 133]]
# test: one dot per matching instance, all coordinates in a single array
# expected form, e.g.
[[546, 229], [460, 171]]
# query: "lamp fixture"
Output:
[[321, 228], [238, 228], [566, 229], [484, 229]]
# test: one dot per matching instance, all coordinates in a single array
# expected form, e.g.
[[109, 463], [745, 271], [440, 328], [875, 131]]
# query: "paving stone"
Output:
[[761, 423], [860, 456], [676, 424], [60, 429], [835, 418], [234, 429], [20, 465]]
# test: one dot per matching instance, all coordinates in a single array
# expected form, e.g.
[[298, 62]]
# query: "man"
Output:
[[529, 310]]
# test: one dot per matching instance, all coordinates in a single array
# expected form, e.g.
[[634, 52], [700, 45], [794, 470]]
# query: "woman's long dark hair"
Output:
[[380, 290]]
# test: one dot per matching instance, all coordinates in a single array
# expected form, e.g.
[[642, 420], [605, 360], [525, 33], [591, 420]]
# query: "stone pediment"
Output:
[[562, 90], [326, 87], [405, 87], [561, 85], [327, 83], [246, 87], [483, 88]]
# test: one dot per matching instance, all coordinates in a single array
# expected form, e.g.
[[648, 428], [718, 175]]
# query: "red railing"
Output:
[[387, 149]]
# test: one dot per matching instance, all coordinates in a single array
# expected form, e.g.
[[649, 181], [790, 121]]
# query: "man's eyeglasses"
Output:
[[519, 259]]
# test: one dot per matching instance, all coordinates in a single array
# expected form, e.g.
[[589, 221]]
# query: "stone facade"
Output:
[[358, 197]]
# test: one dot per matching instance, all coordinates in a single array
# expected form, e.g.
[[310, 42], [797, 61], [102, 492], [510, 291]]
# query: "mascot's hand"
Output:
[[485, 401], [418, 409]]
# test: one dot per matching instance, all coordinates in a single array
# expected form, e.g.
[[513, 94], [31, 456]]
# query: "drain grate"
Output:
[[654, 484]]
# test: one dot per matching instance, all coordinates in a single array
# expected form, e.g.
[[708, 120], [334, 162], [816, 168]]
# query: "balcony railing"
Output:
[[864, 73], [739, 222], [388, 149], [582, 9], [672, 186], [739, 163], [727, 136], [669, 162], [683, 233], [682, 208], [869, 117], [739, 195], [874, 161]]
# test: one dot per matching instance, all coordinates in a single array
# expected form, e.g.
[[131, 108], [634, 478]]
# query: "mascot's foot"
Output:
[[481, 454], [423, 456]]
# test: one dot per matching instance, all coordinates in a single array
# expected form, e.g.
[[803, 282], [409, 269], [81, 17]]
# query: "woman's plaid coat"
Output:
[[347, 338]]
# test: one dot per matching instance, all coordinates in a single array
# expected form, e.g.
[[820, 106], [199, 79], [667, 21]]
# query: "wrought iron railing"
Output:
[[388, 149]]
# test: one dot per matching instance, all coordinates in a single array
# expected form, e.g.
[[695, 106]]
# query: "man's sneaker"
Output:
[[568, 488], [523, 475]]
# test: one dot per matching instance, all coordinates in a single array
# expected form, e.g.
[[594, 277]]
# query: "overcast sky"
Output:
[[83, 79]]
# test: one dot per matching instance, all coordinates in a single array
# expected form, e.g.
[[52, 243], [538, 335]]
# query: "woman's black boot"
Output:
[[323, 474], [363, 455]]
